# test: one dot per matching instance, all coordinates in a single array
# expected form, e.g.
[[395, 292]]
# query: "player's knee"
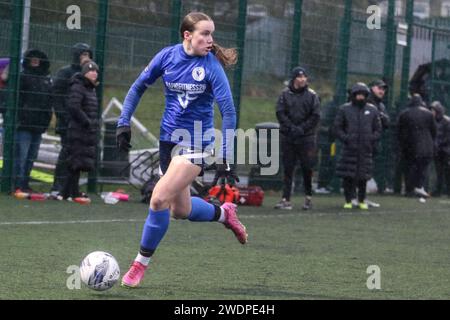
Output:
[[158, 202]]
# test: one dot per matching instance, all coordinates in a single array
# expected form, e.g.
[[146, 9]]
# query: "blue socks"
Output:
[[203, 211], [155, 228], [157, 223]]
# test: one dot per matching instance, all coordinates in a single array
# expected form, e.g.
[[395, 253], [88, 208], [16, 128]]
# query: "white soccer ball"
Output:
[[99, 270]]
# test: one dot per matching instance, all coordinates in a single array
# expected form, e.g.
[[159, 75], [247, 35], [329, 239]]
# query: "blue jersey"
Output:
[[191, 85]]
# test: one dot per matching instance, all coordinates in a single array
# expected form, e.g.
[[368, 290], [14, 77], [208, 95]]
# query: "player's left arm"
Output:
[[222, 93]]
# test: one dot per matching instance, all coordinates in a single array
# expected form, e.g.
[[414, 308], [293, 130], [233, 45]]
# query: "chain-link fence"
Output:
[[331, 39]]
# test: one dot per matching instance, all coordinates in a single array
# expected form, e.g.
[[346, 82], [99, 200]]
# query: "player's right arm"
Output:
[[147, 77]]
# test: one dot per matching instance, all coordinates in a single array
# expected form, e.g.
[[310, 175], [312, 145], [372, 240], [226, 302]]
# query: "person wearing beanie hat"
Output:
[[297, 72], [378, 89], [298, 112], [89, 69], [82, 130], [61, 84], [88, 65]]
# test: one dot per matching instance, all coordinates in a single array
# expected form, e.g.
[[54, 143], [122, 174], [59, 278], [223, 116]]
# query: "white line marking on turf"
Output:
[[66, 222], [243, 217]]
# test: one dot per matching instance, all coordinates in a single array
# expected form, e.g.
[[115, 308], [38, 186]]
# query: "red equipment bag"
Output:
[[251, 196], [223, 193]]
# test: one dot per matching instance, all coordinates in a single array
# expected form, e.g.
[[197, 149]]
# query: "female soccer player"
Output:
[[193, 77]]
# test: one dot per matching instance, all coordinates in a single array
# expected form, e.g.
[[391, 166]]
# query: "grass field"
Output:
[[290, 255]]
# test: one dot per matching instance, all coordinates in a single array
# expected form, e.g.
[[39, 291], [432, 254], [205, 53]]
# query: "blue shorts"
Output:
[[167, 150]]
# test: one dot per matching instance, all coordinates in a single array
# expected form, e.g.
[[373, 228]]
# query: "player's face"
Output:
[[201, 39]]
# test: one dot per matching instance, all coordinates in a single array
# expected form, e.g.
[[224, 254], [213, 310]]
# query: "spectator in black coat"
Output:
[[442, 149], [33, 116], [416, 134], [298, 112], [82, 128], [80, 52], [357, 125], [378, 89]]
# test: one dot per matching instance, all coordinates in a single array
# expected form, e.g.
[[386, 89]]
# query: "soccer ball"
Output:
[[99, 270]]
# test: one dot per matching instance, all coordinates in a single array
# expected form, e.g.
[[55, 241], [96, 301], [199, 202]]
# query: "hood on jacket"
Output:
[[439, 109], [359, 88], [416, 101], [78, 49], [44, 66]]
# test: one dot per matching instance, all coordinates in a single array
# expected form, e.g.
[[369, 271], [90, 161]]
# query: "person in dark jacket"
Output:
[[80, 52], [298, 112], [442, 149], [416, 134], [378, 89], [357, 125], [34, 114], [82, 129]]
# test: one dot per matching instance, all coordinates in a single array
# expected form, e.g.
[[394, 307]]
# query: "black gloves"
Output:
[[123, 138], [225, 171]]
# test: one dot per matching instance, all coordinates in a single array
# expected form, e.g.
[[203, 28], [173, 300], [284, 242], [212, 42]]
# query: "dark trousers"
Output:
[[61, 171], [306, 153], [417, 172], [71, 184], [442, 164], [26, 151], [350, 184]]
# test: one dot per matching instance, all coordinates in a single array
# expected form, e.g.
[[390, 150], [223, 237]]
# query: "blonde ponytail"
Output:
[[226, 56]]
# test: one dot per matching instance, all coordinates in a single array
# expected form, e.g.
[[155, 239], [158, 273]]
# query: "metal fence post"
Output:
[[13, 96], [409, 18], [342, 70], [240, 42], [176, 17], [433, 65], [344, 45], [102, 22], [389, 58], [383, 176], [296, 30]]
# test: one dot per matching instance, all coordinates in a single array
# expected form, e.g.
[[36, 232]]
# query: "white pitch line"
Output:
[[243, 217], [66, 222]]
